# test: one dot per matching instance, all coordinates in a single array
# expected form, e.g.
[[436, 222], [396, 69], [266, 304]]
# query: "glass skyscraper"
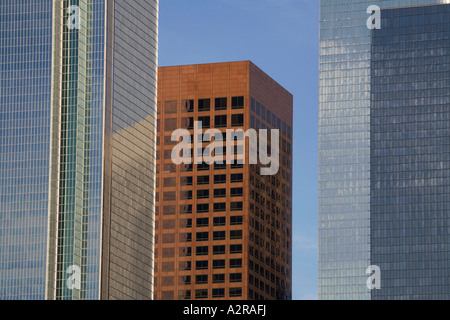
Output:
[[77, 148], [383, 150]]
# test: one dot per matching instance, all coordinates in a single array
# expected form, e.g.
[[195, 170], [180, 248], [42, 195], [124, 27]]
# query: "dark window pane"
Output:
[[220, 193], [237, 102], [220, 121], [187, 106], [220, 103], [237, 120], [204, 105], [202, 236]]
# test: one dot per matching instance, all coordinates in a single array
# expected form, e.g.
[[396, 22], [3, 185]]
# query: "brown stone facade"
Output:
[[223, 231]]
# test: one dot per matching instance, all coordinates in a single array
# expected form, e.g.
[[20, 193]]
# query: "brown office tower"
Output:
[[223, 230]]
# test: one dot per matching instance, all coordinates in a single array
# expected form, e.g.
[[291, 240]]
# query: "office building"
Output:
[[77, 148], [383, 154], [223, 230]]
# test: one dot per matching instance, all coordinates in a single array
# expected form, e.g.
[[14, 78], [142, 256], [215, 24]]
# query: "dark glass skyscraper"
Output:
[[384, 133], [77, 148]]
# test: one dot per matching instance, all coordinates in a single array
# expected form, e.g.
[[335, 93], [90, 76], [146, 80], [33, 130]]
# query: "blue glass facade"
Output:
[[410, 153], [345, 148], [77, 149], [25, 99], [80, 148]]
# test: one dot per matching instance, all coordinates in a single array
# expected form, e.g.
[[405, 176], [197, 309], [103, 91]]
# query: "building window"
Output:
[[184, 280], [186, 195], [237, 102], [201, 265], [220, 104], [167, 281], [236, 206], [237, 120], [235, 234], [170, 124], [185, 252], [185, 223], [186, 181], [204, 105], [220, 121], [201, 294], [218, 264], [235, 277], [184, 295], [202, 236], [218, 293], [203, 166], [205, 122], [219, 235], [182, 266], [187, 106], [168, 266], [220, 193], [168, 224], [185, 237], [186, 123], [168, 238], [236, 177], [219, 221], [186, 209], [201, 279], [220, 178], [185, 167], [202, 251], [235, 248], [218, 250], [235, 292], [170, 107], [218, 278], [220, 166], [202, 207], [169, 210], [202, 194], [202, 222], [236, 192], [169, 196], [167, 295], [168, 252], [202, 180], [220, 207]]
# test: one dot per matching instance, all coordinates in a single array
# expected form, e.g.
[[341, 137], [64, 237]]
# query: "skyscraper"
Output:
[[224, 230], [383, 154], [77, 148]]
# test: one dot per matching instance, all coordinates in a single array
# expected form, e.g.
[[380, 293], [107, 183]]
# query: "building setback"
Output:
[[77, 148], [223, 231], [384, 196]]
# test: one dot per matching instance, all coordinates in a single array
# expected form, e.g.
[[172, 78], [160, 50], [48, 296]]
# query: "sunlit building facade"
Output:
[[224, 230]]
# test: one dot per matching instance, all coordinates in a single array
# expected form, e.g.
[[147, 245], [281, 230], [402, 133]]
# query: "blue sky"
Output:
[[280, 37]]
